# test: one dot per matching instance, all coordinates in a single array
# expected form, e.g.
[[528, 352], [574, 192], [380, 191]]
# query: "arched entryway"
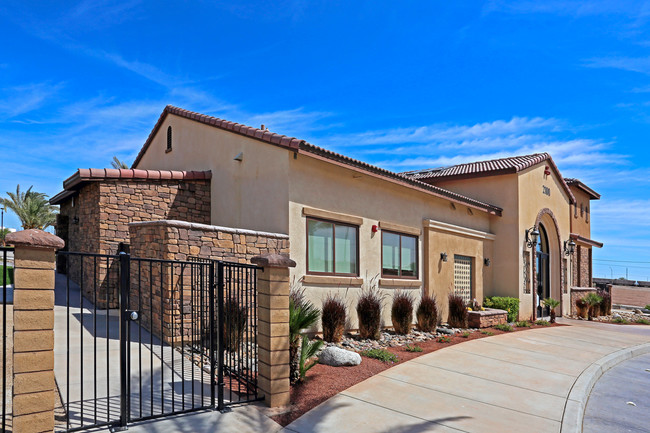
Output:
[[548, 272]]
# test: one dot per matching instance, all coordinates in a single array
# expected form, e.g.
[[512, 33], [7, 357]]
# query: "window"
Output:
[[169, 139], [332, 248], [463, 277], [399, 255]]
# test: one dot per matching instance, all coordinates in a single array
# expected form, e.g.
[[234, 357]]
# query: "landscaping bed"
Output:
[[323, 381]]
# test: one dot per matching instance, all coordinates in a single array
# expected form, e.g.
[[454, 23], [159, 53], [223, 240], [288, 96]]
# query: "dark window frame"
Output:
[[169, 139], [417, 256], [334, 224]]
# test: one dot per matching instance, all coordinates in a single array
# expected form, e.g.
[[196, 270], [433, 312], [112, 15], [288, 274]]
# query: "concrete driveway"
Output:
[[520, 382]]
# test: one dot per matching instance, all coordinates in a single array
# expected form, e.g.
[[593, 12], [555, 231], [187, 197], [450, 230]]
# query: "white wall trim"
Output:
[[208, 228], [459, 230]]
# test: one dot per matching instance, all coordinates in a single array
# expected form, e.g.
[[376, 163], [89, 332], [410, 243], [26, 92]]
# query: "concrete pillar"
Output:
[[273, 327], [33, 352]]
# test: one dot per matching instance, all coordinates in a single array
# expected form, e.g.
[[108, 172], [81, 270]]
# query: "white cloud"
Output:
[[19, 100]]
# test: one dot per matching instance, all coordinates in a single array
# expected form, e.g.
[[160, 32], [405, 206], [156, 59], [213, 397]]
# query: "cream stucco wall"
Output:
[[579, 223], [317, 184], [250, 194]]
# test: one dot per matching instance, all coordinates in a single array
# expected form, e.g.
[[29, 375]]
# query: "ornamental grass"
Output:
[[369, 313], [402, 312], [333, 318], [457, 312], [427, 314]]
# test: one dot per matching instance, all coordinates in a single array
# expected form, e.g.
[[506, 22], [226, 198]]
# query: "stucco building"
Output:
[[347, 224]]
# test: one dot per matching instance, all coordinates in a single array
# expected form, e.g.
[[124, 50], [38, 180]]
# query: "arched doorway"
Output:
[[543, 273]]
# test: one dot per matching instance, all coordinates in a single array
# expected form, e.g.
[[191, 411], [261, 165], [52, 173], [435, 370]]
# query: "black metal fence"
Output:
[[7, 336], [182, 338]]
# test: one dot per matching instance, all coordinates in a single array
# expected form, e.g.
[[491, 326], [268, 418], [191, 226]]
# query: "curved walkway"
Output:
[[506, 383], [608, 408]]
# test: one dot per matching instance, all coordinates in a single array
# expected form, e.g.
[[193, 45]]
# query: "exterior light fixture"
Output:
[[75, 220], [443, 257], [486, 261], [239, 157], [532, 234], [569, 247]]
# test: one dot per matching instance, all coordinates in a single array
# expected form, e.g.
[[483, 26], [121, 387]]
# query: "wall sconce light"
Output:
[[532, 234], [486, 261], [239, 157], [569, 247], [75, 220], [443, 257]]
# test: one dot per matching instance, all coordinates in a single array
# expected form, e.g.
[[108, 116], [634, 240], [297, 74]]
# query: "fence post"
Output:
[[273, 327], [33, 351]]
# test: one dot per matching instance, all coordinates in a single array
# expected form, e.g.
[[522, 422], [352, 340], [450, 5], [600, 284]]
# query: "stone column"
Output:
[[273, 327], [33, 352]]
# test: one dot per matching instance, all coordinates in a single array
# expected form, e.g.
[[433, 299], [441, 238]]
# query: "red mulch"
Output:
[[324, 381]]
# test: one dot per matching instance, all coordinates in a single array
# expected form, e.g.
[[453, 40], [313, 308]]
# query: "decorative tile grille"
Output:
[[565, 288], [463, 277], [526, 272]]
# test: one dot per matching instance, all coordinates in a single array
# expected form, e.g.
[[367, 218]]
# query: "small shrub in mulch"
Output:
[[427, 314], [381, 354], [543, 323], [503, 327], [457, 312], [402, 312], [465, 334], [444, 339], [620, 320], [333, 318], [488, 333], [523, 324], [369, 313], [642, 321], [414, 348]]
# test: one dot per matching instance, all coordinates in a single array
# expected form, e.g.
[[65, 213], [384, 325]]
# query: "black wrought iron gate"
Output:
[[139, 338]]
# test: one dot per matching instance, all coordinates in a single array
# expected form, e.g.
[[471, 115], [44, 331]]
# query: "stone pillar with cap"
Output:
[[273, 327], [33, 351]]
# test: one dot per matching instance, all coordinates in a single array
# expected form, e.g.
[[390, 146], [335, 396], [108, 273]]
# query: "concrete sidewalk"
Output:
[[507, 383]]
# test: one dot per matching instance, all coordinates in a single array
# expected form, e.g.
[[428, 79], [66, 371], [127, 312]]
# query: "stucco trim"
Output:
[[459, 230], [209, 228], [390, 282], [399, 228], [334, 281], [325, 214], [581, 240], [560, 251]]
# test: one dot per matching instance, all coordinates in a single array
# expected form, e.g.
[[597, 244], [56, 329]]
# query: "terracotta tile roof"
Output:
[[83, 175], [493, 167], [301, 146], [579, 184]]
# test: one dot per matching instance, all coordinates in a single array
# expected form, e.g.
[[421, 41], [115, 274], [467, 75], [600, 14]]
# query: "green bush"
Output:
[[503, 327], [642, 321], [620, 320], [414, 348], [488, 333], [511, 305], [647, 307], [8, 275], [444, 339], [522, 324], [465, 334], [543, 323], [381, 354]]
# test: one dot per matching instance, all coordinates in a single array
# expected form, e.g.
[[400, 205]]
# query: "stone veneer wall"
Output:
[[582, 266], [174, 296], [104, 210]]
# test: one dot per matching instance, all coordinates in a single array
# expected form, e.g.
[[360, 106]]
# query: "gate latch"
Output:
[[133, 315]]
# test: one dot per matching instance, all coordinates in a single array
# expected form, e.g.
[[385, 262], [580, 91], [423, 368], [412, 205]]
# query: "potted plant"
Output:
[[582, 308], [593, 301], [552, 304]]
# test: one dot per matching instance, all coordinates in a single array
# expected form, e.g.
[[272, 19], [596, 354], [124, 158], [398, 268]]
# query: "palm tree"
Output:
[[32, 208], [552, 304], [593, 300], [116, 163], [302, 315]]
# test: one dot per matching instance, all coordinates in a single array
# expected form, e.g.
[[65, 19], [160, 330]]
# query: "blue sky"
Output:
[[418, 85]]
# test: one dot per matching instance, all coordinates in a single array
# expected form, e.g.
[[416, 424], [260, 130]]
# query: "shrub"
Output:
[[235, 320], [503, 327], [488, 333], [465, 334], [522, 324], [642, 321], [606, 303], [647, 307], [444, 339], [552, 304], [302, 315], [457, 312], [402, 312], [427, 314], [414, 348], [582, 307], [381, 354], [308, 350], [593, 301], [543, 323], [369, 313], [511, 305], [333, 318], [619, 320]]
